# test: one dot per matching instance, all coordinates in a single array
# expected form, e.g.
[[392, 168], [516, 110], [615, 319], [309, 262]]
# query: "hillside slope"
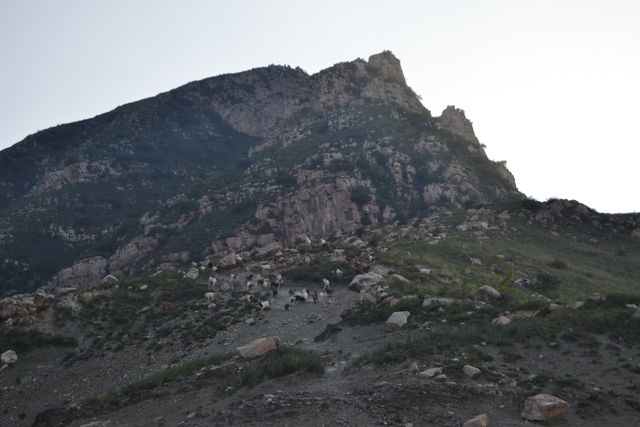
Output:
[[229, 163]]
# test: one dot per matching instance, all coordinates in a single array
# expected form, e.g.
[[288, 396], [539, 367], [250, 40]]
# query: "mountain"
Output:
[[148, 234], [232, 162]]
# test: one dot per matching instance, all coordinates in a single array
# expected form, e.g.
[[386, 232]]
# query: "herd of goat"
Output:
[[266, 281]]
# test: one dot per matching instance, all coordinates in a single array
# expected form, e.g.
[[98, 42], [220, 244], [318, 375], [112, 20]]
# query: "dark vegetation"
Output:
[[22, 341]]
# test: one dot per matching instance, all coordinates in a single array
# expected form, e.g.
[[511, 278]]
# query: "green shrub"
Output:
[[280, 362], [559, 264], [546, 281]]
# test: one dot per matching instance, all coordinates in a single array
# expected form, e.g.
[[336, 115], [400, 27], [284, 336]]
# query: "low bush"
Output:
[[280, 362], [22, 341], [185, 370]]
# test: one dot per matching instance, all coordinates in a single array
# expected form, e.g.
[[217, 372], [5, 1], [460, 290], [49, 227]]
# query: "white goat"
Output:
[[209, 296], [308, 241], [213, 282], [264, 304], [326, 283], [338, 272]]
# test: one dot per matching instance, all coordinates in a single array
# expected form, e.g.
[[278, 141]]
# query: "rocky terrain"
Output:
[[230, 163], [135, 246], [369, 377]]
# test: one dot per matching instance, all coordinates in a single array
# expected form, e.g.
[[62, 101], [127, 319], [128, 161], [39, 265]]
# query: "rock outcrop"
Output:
[[82, 274]]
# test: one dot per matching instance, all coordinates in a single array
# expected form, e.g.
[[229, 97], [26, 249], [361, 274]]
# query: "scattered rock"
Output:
[[543, 406], [267, 250], [554, 307], [477, 421], [486, 294], [225, 287], [9, 357], [250, 321], [314, 317], [228, 261], [636, 315], [369, 299], [365, 281], [594, 297], [396, 321], [191, 274], [413, 368], [475, 261], [353, 242], [442, 300], [501, 321], [430, 373], [470, 371], [425, 270], [257, 348], [576, 304]]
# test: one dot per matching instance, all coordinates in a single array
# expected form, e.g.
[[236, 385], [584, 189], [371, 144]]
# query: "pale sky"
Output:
[[552, 87]]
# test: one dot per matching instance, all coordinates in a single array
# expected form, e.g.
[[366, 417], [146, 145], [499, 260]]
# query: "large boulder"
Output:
[[353, 242], [470, 371], [228, 261], [365, 281], [191, 274], [543, 406], [477, 421], [9, 357], [487, 295], [258, 347], [430, 373], [396, 321], [267, 250]]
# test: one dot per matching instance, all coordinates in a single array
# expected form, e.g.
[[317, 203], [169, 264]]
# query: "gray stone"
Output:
[[543, 406], [314, 317], [441, 300], [501, 321], [430, 373], [470, 371], [595, 297], [477, 421], [267, 250], [396, 321], [9, 357], [486, 294], [257, 348], [228, 261], [554, 307], [191, 274], [365, 281], [353, 242]]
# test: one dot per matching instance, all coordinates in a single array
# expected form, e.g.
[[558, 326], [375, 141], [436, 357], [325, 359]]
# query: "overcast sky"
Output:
[[552, 87]]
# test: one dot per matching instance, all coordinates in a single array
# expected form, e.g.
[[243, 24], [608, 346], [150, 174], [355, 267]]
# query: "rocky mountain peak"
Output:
[[455, 121], [223, 165]]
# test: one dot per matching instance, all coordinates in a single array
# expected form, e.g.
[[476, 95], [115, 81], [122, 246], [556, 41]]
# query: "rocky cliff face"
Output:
[[233, 162]]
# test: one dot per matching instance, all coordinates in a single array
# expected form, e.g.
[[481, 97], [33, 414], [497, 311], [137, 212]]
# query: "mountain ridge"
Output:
[[250, 158]]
